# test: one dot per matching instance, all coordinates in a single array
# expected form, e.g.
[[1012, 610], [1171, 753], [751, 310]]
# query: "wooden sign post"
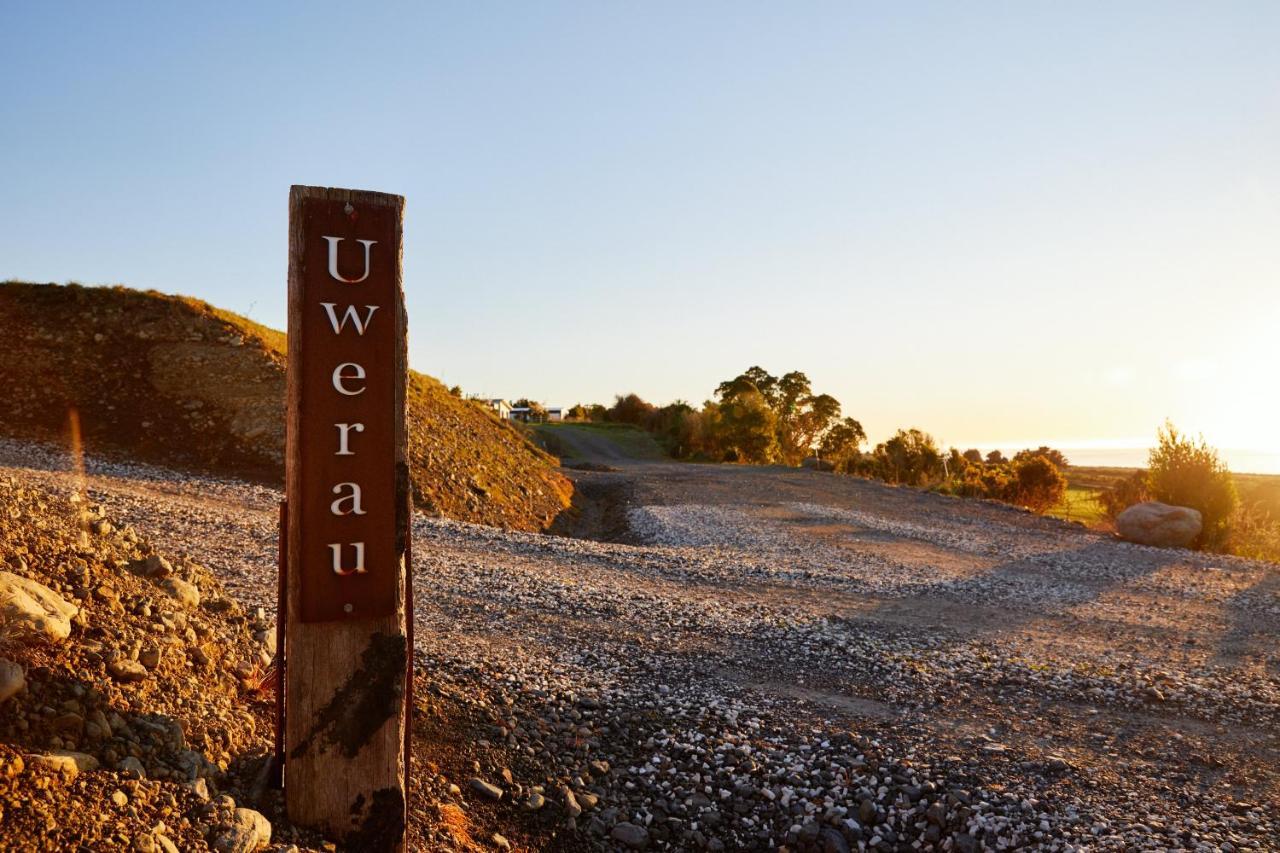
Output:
[[345, 597]]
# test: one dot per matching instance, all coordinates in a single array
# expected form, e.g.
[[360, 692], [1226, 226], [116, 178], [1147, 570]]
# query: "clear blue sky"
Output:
[[998, 222]]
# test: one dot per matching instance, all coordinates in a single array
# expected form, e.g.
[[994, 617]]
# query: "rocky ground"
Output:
[[144, 376], [758, 659]]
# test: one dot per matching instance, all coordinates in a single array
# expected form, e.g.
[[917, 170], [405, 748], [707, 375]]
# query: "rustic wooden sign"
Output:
[[347, 518]]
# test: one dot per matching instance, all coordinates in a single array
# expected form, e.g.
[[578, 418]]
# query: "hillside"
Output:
[[178, 382]]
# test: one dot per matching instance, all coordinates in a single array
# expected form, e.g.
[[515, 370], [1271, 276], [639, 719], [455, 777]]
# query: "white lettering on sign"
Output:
[[347, 380], [340, 376], [336, 550], [343, 431], [333, 259], [353, 496], [349, 314]]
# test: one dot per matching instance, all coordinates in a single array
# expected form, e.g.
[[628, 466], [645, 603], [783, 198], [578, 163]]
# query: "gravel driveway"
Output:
[[773, 657]]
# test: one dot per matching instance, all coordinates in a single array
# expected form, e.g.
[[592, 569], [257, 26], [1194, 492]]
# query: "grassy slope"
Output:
[[630, 441], [175, 381]]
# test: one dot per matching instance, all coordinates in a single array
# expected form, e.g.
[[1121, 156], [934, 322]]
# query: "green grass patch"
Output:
[[1079, 504], [630, 440]]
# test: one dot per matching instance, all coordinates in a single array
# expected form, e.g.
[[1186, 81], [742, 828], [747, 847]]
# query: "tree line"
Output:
[[759, 418]]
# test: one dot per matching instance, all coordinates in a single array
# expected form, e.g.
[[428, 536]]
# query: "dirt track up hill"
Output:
[[178, 382]]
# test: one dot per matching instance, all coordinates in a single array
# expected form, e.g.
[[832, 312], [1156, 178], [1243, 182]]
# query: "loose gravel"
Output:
[[787, 659]]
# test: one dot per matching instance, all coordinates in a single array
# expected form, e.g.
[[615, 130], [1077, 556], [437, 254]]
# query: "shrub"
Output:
[[911, 457], [1184, 472], [1124, 493], [1057, 457], [631, 409], [1037, 483], [842, 442]]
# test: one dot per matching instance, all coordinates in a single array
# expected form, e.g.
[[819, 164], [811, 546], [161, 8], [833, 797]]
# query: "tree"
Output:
[[995, 457], [1183, 472], [801, 417], [973, 455], [537, 411], [631, 409], [841, 443], [755, 379], [792, 389], [910, 457], [747, 428], [804, 429]]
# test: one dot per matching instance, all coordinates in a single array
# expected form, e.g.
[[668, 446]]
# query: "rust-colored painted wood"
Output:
[[345, 722]]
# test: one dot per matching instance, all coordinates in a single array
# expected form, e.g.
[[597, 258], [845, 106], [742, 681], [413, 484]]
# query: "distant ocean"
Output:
[[1239, 461]]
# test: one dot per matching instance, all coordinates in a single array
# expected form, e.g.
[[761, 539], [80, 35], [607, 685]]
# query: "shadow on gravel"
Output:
[[1020, 591], [1246, 637]]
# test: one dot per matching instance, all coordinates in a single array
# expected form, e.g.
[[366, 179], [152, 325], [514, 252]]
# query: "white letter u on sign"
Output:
[[333, 259]]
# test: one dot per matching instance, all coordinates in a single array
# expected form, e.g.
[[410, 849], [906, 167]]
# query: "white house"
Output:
[[500, 407], [555, 414]]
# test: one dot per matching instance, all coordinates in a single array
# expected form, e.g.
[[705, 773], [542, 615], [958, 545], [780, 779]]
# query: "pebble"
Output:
[[631, 836], [485, 789], [694, 712], [126, 670]]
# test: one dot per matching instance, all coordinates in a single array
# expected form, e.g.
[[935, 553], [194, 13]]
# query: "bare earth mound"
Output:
[[177, 382]]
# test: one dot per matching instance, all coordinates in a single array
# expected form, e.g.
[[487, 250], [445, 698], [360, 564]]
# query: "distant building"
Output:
[[555, 414], [521, 413], [500, 407]]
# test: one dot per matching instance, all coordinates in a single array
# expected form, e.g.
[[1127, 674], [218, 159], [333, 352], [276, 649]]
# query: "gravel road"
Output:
[[772, 657]]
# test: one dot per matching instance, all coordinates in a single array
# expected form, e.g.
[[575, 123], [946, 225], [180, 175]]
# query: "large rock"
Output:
[[30, 610], [248, 831], [184, 593], [69, 764], [12, 678], [1154, 523]]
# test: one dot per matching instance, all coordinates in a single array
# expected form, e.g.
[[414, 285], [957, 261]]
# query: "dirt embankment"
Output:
[[177, 382]]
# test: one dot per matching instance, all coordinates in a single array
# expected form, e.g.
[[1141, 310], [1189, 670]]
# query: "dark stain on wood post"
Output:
[[370, 696]]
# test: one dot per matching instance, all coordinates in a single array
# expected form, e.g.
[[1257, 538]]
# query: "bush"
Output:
[[1183, 472], [910, 457], [631, 409], [1057, 457], [1037, 483], [1124, 493]]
